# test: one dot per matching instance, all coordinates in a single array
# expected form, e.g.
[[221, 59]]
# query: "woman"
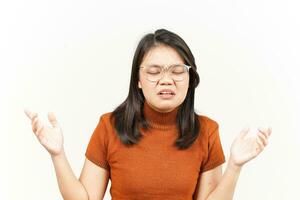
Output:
[[154, 145]]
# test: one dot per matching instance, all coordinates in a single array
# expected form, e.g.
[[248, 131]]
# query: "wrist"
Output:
[[233, 166], [58, 155]]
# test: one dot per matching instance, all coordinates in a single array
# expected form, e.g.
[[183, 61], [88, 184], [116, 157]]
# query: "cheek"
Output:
[[183, 86], [148, 88], [182, 89]]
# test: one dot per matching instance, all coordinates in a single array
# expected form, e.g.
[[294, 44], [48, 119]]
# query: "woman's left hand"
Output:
[[244, 148]]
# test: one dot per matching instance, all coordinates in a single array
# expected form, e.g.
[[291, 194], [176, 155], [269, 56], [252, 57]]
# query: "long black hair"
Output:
[[128, 117]]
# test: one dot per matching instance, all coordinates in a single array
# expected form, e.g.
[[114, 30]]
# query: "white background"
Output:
[[74, 58]]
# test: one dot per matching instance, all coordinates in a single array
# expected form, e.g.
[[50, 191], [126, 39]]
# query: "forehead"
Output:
[[162, 55]]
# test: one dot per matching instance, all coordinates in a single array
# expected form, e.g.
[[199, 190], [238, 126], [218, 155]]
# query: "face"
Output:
[[163, 56]]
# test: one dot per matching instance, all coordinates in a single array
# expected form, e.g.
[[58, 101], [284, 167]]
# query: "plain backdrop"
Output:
[[74, 58]]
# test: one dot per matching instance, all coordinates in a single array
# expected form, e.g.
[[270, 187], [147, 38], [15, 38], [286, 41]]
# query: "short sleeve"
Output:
[[215, 155], [96, 150]]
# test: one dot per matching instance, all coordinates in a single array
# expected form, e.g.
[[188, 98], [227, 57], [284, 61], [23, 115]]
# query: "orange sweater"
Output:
[[154, 169]]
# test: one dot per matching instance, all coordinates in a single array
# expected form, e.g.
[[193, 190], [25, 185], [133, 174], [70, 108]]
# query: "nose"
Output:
[[166, 79]]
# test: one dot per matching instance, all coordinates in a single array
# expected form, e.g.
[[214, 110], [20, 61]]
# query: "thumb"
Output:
[[52, 119], [29, 114]]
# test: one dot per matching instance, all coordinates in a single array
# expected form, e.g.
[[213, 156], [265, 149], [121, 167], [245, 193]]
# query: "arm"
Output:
[[225, 188], [93, 180], [70, 188], [212, 185], [207, 182], [91, 184]]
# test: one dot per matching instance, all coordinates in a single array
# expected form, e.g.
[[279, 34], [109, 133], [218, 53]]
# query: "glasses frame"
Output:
[[164, 69]]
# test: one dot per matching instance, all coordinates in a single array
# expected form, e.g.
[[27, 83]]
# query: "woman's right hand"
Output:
[[50, 137]]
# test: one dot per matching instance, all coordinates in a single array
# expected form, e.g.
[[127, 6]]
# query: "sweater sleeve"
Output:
[[215, 155], [96, 150]]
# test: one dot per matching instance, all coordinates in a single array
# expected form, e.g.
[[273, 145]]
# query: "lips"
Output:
[[166, 91]]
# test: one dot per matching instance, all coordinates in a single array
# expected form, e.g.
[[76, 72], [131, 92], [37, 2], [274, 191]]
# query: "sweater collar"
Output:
[[158, 119]]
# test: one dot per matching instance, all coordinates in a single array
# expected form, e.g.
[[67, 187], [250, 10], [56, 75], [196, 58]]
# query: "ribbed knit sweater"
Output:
[[154, 169]]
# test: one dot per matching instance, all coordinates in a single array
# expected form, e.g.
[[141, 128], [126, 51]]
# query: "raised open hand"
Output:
[[50, 137], [245, 147]]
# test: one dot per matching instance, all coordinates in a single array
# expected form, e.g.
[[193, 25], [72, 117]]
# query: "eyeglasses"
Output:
[[178, 72]]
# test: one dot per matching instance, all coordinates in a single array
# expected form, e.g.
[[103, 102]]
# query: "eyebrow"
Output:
[[156, 65]]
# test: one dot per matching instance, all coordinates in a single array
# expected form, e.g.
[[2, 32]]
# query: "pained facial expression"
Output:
[[165, 56]]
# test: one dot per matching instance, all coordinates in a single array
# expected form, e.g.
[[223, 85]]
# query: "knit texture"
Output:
[[154, 169]]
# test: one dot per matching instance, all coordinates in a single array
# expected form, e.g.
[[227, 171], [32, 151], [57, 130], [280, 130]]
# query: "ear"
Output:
[[139, 85]]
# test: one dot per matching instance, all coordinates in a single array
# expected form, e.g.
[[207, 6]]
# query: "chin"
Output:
[[166, 108]]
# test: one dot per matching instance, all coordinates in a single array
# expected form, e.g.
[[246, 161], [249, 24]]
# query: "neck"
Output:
[[160, 119]]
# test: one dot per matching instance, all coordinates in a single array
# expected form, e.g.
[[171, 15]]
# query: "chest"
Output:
[[154, 166]]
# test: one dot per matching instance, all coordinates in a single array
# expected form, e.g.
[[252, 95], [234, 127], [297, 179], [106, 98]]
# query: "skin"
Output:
[[212, 185], [93, 180], [92, 183], [163, 56]]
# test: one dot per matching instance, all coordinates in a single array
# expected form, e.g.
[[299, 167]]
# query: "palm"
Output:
[[245, 148], [50, 137]]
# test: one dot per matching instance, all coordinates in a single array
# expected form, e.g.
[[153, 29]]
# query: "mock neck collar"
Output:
[[160, 120]]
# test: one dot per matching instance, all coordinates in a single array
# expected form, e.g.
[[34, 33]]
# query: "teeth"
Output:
[[165, 93]]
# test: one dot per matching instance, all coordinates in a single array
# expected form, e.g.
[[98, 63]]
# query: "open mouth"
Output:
[[166, 93]]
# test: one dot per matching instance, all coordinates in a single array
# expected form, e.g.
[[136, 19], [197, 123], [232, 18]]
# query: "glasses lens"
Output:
[[176, 72], [153, 72]]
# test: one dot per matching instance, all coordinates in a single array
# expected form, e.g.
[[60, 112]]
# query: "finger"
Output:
[[52, 119], [269, 131], [40, 129], [264, 132], [37, 126], [33, 121], [260, 143], [30, 114], [262, 138], [34, 129], [244, 132], [34, 125], [262, 135]]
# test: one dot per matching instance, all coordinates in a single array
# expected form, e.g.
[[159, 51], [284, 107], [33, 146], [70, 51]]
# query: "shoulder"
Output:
[[207, 124], [103, 124], [105, 117], [207, 121]]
